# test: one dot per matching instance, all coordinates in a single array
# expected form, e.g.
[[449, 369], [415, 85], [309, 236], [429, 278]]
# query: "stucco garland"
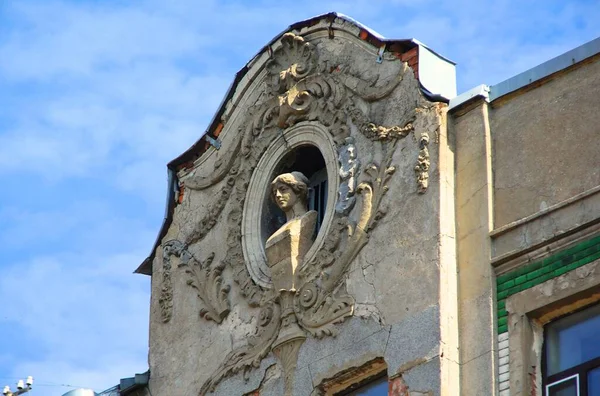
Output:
[[305, 103]]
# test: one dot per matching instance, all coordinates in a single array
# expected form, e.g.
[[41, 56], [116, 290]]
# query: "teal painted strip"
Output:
[[535, 274], [503, 321], [520, 279], [593, 243], [506, 285], [541, 271], [502, 313]]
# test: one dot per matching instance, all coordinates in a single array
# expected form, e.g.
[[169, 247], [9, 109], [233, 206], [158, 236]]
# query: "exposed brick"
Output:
[[506, 285], [521, 279], [409, 54], [181, 191], [218, 129], [397, 387]]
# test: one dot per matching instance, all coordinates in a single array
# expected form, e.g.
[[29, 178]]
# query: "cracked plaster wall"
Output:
[[395, 279]]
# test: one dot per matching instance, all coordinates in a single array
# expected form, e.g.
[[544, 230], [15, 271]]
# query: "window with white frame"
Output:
[[572, 354]]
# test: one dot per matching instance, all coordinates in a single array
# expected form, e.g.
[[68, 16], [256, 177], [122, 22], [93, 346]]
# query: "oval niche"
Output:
[[307, 148]]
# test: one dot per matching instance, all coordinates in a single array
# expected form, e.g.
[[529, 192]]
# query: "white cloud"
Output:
[[78, 39], [86, 313], [106, 93]]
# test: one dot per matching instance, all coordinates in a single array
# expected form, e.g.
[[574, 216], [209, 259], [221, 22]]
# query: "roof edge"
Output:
[[543, 70], [209, 136], [373, 38], [482, 91]]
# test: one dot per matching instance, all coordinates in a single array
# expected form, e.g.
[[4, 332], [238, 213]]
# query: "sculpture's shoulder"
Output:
[[308, 221], [298, 226], [310, 216]]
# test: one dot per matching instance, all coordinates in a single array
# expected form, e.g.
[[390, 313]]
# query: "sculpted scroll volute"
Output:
[[306, 296]]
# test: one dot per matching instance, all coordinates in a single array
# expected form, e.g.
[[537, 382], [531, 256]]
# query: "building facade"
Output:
[[434, 244]]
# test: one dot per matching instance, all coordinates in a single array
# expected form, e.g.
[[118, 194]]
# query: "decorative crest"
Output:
[[307, 296]]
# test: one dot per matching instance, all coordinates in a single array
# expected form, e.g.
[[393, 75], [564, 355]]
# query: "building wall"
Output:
[[474, 194], [399, 322], [545, 143], [487, 229], [528, 184]]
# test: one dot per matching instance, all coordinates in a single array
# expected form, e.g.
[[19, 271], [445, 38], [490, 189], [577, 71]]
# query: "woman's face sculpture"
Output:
[[284, 196], [290, 192]]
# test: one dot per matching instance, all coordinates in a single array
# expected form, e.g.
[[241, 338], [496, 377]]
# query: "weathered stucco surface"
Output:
[[452, 202], [394, 280], [546, 144], [527, 186], [473, 223]]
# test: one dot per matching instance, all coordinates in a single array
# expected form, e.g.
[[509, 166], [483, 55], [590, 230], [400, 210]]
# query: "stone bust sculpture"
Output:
[[288, 245]]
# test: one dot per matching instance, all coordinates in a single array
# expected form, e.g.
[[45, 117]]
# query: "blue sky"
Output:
[[97, 96]]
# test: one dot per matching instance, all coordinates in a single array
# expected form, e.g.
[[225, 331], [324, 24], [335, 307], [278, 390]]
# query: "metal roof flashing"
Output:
[[528, 77], [482, 91], [436, 73], [545, 69]]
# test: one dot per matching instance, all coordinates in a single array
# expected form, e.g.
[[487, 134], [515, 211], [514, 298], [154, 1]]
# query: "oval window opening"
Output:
[[309, 161]]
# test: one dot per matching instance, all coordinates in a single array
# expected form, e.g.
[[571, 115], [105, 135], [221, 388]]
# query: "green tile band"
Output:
[[540, 271]]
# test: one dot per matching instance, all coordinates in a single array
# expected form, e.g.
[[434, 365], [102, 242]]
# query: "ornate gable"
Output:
[[327, 91]]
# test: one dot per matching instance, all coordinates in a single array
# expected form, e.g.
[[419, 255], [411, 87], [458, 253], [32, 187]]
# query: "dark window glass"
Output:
[[572, 354], [317, 194], [378, 387], [564, 388], [573, 340], [594, 382]]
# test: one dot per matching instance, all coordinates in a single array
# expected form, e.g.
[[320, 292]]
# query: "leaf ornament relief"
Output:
[[207, 280], [204, 276], [298, 91]]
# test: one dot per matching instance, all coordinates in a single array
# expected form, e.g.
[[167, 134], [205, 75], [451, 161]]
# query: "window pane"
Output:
[[565, 388], [376, 388], [573, 340], [594, 382]]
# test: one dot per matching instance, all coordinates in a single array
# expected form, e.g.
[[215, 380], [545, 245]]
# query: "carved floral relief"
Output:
[[307, 297]]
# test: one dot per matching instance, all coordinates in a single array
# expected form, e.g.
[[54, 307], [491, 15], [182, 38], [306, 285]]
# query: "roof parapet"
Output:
[[482, 91], [545, 69]]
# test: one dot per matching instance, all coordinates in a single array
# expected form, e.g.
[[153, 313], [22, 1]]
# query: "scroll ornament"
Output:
[[300, 89]]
